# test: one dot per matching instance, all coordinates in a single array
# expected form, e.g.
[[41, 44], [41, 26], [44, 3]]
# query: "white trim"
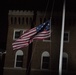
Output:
[[65, 54], [19, 52], [12, 68], [46, 40], [15, 31], [20, 12], [45, 53], [3, 52]]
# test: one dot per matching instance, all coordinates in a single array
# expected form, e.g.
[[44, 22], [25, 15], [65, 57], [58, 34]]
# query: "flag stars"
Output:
[[43, 23], [39, 32], [48, 24], [42, 27]]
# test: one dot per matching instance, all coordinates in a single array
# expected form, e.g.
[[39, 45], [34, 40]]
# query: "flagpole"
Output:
[[62, 40], [29, 57], [50, 28]]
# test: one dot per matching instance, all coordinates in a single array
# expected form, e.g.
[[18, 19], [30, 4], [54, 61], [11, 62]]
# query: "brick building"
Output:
[[45, 53]]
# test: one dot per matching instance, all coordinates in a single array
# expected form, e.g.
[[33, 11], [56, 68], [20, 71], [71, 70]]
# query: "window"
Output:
[[26, 20], [45, 63], [30, 20], [19, 20], [22, 20], [15, 20], [17, 33], [40, 20], [65, 61], [11, 20], [66, 36], [18, 59], [45, 60]]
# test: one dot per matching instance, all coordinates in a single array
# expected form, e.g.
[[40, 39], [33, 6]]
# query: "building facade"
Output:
[[45, 53]]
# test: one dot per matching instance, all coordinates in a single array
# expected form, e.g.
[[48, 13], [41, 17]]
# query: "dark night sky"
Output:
[[41, 4], [27, 5]]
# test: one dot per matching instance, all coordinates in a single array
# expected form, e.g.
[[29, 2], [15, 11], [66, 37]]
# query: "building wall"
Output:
[[70, 46], [37, 46], [40, 46]]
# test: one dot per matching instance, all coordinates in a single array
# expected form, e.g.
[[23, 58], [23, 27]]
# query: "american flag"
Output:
[[37, 33]]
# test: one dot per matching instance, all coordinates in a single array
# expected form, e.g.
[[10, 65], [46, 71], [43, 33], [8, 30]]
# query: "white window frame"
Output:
[[46, 40], [15, 31], [68, 36], [45, 53], [19, 52]]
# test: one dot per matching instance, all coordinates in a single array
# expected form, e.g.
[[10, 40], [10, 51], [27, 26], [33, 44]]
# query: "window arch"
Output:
[[18, 59], [45, 60], [65, 61]]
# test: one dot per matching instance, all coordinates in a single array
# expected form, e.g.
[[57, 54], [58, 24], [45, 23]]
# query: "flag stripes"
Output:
[[37, 33]]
